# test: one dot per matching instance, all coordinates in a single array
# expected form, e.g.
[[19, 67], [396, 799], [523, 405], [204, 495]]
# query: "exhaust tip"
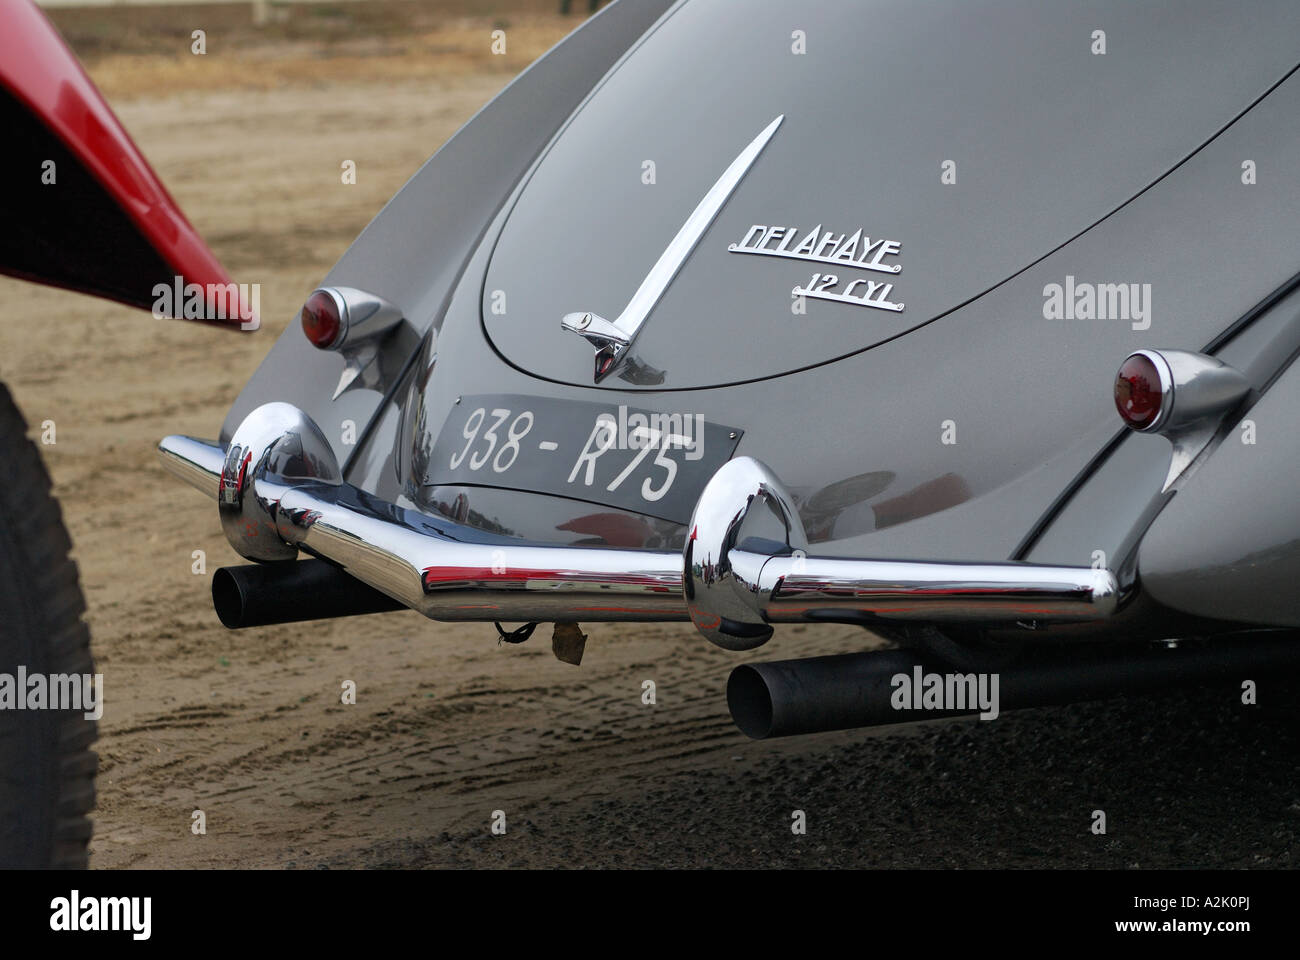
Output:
[[228, 598], [291, 591], [750, 701]]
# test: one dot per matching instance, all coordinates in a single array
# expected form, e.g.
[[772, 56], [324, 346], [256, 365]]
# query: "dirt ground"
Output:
[[449, 726]]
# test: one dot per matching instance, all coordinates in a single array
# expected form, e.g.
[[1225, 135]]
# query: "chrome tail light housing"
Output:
[[1180, 395]]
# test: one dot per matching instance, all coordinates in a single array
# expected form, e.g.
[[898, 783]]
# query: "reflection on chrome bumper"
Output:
[[279, 489]]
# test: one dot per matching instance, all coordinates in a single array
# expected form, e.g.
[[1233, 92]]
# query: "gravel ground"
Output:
[[1184, 781]]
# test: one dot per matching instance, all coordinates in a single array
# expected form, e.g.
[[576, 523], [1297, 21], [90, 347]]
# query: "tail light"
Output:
[[322, 319], [360, 327], [344, 318], [1144, 390], [1183, 396]]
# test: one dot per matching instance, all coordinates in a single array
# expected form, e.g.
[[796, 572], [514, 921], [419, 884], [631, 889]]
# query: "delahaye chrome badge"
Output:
[[843, 251]]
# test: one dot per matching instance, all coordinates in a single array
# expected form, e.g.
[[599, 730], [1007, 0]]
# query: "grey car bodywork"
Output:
[[968, 426]]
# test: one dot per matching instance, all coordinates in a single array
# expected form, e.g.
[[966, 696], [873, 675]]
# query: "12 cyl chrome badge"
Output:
[[843, 251]]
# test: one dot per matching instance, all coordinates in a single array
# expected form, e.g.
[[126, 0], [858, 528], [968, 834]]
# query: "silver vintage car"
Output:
[[970, 324]]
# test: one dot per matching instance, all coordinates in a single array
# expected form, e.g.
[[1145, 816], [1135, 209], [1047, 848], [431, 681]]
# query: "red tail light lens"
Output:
[[320, 320], [1139, 392]]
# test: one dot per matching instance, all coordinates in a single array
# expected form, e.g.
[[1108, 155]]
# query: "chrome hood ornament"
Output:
[[613, 339]]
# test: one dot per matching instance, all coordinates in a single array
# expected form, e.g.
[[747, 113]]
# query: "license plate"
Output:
[[652, 462]]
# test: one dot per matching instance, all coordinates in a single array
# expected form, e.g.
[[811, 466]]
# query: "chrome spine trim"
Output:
[[613, 339], [733, 592]]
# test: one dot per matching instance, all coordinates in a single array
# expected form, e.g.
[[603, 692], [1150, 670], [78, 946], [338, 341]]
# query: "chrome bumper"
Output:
[[279, 489]]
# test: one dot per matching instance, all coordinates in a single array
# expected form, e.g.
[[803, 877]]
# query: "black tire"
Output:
[[47, 767]]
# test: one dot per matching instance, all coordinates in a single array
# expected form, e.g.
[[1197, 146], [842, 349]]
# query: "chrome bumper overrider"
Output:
[[279, 489]]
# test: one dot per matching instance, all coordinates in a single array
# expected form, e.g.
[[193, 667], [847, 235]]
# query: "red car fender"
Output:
[[39, 70]]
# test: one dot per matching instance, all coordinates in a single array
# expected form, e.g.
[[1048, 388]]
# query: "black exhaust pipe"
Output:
[[290, 592], [789, 697]]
